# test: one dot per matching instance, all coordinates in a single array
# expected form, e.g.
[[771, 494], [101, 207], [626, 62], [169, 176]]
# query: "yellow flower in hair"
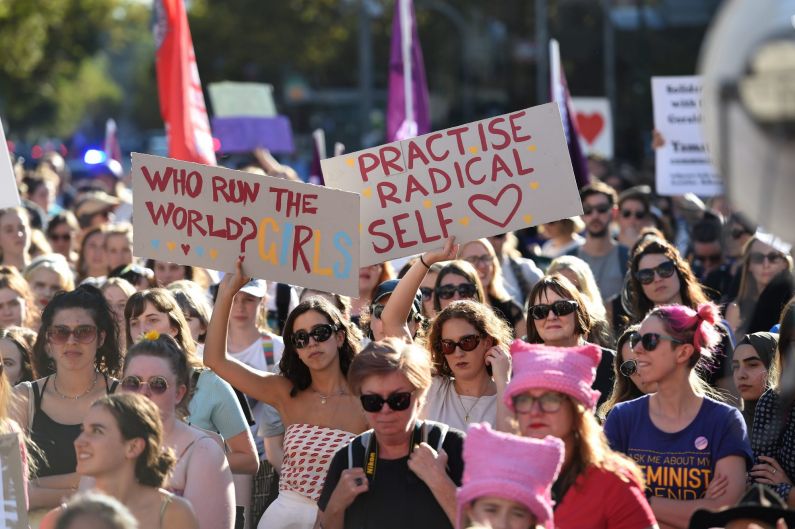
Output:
[[151, 335]]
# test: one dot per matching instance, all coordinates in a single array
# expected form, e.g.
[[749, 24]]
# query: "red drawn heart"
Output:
[[590, 125], [185, 248], [494, 208]]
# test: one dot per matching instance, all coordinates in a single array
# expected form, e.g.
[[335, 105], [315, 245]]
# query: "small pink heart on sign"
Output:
[[590, 125], [185, 248], [491, 209]]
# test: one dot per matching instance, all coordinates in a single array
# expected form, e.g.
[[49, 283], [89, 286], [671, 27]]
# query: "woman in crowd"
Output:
[[62, 233], [551, 394], [660, 431], [372, 321], [773, 436], [311, 394], [343, 303], [47, 275], [166, 273], [500, 494], [92, 260], [14, 237], [212, 404], [17, 305], [195, 307], [562, 236], [766, 285], [157, 367], [627, 383], [480, 254], [579, 273], [754, 369], [77, 354], [117, 291], [118, 246], [369, 278], [404, 472], [15, 347], [558, 316], [456, 280], [121, 447]]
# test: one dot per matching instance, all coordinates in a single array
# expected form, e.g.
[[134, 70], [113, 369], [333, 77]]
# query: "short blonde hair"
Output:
[[391, 356]]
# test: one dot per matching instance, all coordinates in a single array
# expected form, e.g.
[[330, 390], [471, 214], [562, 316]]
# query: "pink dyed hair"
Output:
[[696, 327]]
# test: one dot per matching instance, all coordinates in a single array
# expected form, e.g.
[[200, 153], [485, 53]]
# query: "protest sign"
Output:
[[231, 99], [595, 123], [9, 195], [14, 514], [244, 134], [207, 216], [484, 178], [683, 162]]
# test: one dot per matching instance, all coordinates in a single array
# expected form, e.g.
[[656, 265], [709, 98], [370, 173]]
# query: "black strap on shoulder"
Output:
[[283, 295], [38, 394]]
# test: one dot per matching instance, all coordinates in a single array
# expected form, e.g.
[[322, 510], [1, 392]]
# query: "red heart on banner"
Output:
[[489, 208], [590, 125], [185, 248]]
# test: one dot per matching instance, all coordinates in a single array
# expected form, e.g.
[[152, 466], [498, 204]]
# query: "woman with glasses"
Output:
[[121, 447], [369, 279], [77, 353], [319, 412], [558, 316], [766, 284], [157, 367], [62, 234], [403, 472], [627, 383], [550, 394], [456, 280], [427, 290], [682, 439], [481, 255]]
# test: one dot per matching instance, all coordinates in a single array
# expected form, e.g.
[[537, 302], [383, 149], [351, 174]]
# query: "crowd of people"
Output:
[[631, 368]]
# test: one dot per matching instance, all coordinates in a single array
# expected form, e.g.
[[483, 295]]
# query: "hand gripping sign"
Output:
[[207, 216], [484, 178]]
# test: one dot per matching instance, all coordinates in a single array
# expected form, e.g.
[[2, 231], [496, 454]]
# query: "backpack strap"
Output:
[[283, 295], [364, 439], [428, 427]]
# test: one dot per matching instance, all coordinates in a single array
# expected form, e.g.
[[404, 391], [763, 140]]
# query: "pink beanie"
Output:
[[514, 468], [569, 370]]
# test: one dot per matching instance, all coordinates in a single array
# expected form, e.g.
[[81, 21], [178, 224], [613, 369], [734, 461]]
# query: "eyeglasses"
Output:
[[548, 402], [736, 233], [465, 290], [466, 343], [561, 307], [628, 368], [157, 384], [396, 402], [650, 340], [759, 257], [426, 292], [82, 334], [713, 258], [65, 237], [627, 213], [476, 260], [320, 333], [646, 275], [601, 209]]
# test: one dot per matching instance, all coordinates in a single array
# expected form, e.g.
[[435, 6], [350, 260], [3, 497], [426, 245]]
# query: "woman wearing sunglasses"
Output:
[[627, 383], [121, 447], [427, 290], [157, 367], [682, 439], [77, 353], [481, 255], [311, 394], [456, 280], [766, 284], [558, 316], [550, 394], [403, 472]]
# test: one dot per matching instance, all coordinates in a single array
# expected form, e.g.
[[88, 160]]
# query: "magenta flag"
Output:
[[407, 109]]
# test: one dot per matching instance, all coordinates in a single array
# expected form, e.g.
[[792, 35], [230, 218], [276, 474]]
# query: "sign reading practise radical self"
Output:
[[484, 178], [207, 216]]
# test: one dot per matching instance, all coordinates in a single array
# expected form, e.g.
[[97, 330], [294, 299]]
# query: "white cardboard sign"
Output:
[[207, 216], [682, 163], [475, 180], [14, 514], [595, 123], [9, 194]]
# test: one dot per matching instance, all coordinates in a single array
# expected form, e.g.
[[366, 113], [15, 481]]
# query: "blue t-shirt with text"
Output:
[[678, 465]]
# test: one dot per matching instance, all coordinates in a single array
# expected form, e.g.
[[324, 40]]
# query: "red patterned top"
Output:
[[308, 450]]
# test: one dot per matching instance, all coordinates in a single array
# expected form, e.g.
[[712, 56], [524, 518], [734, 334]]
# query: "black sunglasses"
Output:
[[465, 290], [759, 257], [601, 209], [466, 343], [628, 368], [426, 292], [627, 213], [646, 275], [396, 402], [562, 307], [650, 340], [320, 333], [157, 384]]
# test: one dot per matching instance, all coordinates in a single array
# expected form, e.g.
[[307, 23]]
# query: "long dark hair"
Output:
[[624, 388], [291, 365], [89, 298], [464, 269]]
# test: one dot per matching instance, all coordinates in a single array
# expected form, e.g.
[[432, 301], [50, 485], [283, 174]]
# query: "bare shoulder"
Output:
[[51, 518], [179, 514]]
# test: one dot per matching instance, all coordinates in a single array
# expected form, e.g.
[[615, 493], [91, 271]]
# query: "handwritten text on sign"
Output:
[[206, 216], [484, 178]]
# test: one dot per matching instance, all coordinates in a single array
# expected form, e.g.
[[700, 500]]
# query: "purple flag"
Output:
[[561, 96], [407, 109], [244, 134]]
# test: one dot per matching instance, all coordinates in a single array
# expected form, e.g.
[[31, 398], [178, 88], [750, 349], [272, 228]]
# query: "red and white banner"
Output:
[[595, 123]]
